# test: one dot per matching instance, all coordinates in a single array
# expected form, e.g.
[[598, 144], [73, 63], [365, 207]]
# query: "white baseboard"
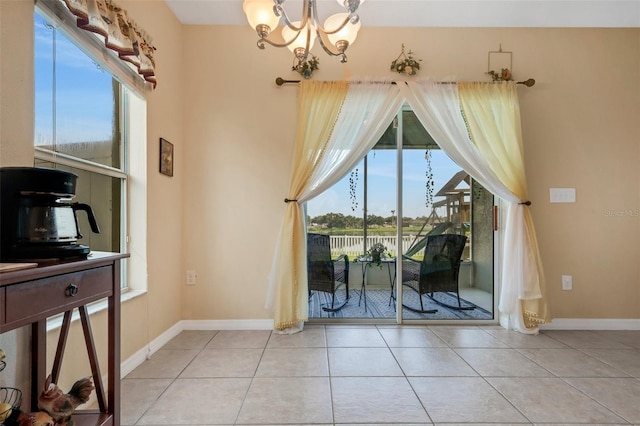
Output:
[[592, 324], [144, 353], [255, 324], [133, 361], [164, 338]]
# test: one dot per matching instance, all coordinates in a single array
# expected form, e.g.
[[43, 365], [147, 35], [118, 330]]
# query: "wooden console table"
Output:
[[30, 296]]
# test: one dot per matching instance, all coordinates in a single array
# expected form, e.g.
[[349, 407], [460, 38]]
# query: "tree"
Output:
[[375, 220], [335, 220], [353, 222]]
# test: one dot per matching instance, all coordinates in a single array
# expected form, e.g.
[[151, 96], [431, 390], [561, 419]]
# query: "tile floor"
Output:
[[388, 375]]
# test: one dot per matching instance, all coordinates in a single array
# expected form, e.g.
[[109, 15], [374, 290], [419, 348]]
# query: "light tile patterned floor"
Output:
[[388, 375]]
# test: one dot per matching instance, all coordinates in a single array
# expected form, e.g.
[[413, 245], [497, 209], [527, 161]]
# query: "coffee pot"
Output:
[[38, 218]]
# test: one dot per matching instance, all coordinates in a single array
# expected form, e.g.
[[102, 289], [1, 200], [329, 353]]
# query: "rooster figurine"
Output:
[[59, 405], [18, 418]]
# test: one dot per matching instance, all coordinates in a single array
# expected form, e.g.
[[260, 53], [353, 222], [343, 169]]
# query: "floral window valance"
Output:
[[121, 34]]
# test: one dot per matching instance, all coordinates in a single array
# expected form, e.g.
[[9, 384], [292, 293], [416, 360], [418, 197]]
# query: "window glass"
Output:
[[103, 194], [76, 101], [339, 212]]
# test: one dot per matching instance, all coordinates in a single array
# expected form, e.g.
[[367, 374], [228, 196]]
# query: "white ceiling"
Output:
[[438, 13]]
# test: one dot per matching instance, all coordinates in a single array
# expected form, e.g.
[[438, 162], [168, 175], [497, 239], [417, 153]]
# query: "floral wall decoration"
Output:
[[306, 68], [503, 75], [502, 60], [405, 63]]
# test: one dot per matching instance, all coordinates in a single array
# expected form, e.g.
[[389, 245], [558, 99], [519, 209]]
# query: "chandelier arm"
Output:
[[275, 44], [325, 46], [353, 18], [278, 9], [307, 46], [313, 12], [351, 5]]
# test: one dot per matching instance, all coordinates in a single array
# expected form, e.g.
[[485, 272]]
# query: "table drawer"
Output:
[[36, 299]]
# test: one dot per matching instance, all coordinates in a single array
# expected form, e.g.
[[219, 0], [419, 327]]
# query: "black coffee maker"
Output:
[[37, 218]]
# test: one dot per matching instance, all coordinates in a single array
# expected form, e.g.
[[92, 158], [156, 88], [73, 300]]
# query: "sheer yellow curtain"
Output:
[[492, 113], [318, 108]]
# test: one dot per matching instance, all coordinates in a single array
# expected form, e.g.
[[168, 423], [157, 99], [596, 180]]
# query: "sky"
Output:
[[382, 185], [83, 91]]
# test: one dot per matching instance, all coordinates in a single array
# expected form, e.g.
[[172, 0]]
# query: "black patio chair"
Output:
[[325, 274], [437, 272]]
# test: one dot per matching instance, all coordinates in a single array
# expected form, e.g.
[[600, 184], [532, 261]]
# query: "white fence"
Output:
[[353, 245]]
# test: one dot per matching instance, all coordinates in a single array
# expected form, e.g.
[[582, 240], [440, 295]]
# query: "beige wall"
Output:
[[581, 130], [16, 138], [165, 114], [580, 124], [233, 130], [16, 83]]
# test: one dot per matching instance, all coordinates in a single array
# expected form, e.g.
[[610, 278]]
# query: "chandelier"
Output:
[[335, 36]]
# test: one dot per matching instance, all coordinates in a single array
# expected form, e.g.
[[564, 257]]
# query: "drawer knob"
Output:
[[72, 290]]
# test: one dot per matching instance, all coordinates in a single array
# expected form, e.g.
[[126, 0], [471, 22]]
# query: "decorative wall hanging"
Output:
[[500, 60], [166, 157], [353, 186], [405, 63], [429, 180], [306, 68]]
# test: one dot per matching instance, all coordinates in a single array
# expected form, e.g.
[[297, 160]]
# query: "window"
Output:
[[84, 121]]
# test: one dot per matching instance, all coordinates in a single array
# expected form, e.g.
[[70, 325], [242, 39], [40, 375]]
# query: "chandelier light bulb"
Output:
[[260, 16], [300, 43], [347, 34]]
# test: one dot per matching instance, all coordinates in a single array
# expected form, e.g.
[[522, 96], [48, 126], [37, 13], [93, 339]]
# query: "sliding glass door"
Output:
[[404, 192], [447, 264]]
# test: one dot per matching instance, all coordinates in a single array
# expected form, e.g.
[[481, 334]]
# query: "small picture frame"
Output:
[[166, 157]]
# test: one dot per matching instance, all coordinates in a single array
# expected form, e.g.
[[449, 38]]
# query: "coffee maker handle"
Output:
[[92, 218]]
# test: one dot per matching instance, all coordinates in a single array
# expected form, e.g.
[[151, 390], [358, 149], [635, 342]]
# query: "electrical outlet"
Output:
[[567, 282], [192, 277]]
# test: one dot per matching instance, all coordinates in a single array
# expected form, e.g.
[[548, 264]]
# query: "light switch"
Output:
[[567, 282], [192, 277], [562, 195]]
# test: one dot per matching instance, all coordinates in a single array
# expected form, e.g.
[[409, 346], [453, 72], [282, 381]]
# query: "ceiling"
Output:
[[438, 13]]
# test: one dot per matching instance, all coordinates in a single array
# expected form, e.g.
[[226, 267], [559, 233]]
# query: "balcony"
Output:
[[378, 285]]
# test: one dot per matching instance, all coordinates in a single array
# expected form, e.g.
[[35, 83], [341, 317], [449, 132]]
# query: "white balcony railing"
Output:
[[353, 245]]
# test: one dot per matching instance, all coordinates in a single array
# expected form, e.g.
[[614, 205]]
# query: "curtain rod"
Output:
[[529, 82]]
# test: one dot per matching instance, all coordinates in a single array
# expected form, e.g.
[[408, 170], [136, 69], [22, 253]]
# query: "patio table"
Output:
[[365, 263]]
